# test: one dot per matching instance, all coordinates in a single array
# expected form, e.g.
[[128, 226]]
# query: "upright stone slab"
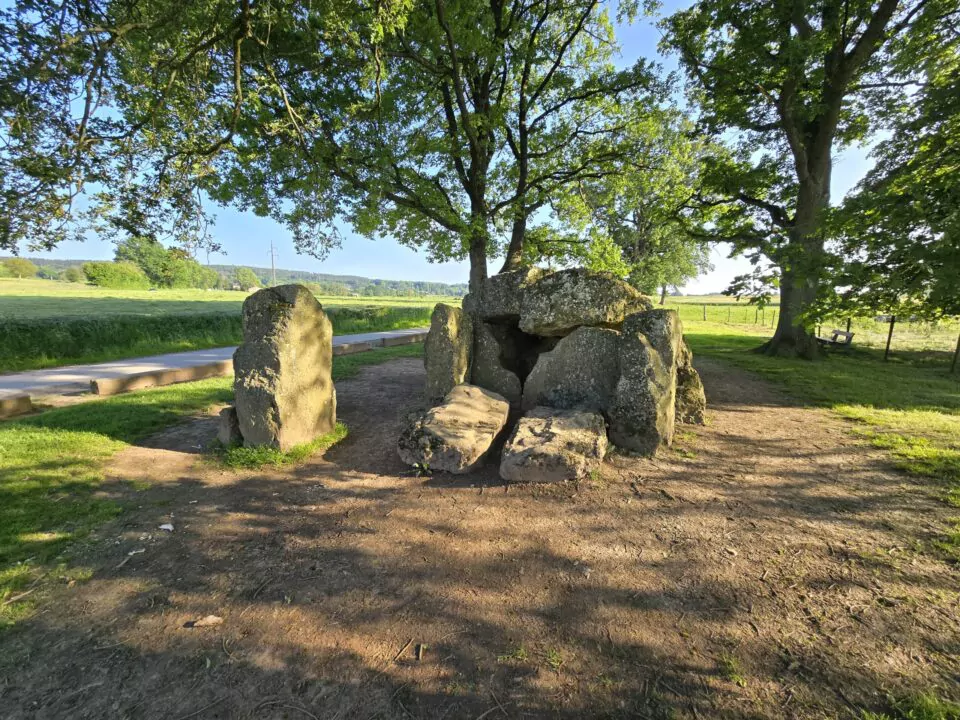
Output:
[[488, 369], [558, 303], [283, 384], [550, 445], [446, 351], [643, 413], [455, 435], [691, 398], [580, 372]]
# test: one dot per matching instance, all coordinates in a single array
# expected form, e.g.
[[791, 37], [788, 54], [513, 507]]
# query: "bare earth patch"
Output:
[[768, 567]]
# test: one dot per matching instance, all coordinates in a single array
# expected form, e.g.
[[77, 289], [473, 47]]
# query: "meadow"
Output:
[[49, 324]]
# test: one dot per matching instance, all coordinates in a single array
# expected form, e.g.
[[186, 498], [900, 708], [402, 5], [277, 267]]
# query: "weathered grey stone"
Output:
[[558, 303], [228, 433], [501, 295], [283, 384], [580, 372], [488, 369], [446, 351], [642, 414], [550, 445], [691, 399], [455, 435], [662, 328]]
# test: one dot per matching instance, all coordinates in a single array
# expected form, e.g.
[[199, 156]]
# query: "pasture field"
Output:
[[25, 299]]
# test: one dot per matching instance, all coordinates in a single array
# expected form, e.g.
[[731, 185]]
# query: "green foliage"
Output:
[[165, 267], [116, 275], [254, 458], [246, 278], [926, 706], [899, 232], [73, 275], [19, 267]]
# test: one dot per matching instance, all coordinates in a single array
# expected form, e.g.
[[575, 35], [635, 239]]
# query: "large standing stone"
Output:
[[446, 351], [455, 435], [558, 303], [580, 372], [551, 445], [283, 386], [691, 399], [488, 368], [642, 415]]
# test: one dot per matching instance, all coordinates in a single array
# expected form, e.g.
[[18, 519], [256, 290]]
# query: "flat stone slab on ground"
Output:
[[455, 435], [550, 445]]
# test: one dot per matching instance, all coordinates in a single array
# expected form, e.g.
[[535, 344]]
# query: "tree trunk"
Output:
[[514, 259], [663, 294], [801, 268]]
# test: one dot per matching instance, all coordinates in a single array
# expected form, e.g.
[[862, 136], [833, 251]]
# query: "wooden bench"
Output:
[[838, 338]]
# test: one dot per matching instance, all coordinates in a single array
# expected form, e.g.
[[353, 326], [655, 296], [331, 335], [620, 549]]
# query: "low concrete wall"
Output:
[[155, 378], [352, 348], [15, 405], [405, 340]]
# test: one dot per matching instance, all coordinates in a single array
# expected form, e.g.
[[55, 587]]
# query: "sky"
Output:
[[245, 238]]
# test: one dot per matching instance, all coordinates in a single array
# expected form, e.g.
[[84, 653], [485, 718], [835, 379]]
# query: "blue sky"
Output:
[[246, 238]]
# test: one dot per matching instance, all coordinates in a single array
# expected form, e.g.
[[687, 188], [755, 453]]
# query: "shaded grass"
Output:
[[920, 707], [52, 464], [253, 458]]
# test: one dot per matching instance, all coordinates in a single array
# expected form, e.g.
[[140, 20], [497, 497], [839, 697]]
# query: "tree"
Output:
[[899, 232], [448, 123], [73, 274], [165, 267], [246, 278], [795, 80], [20, 267], [116, 275]]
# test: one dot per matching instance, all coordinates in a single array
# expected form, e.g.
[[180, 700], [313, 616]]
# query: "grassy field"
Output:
[[24, 299], [52, 463], [50, 324]]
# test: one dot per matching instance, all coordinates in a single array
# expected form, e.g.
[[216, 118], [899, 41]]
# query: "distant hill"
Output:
[[334, 284]]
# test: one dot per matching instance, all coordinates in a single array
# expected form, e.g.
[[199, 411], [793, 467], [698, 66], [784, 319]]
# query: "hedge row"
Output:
[[33, 343]]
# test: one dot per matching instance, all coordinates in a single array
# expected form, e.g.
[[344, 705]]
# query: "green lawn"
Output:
[[51, 464]]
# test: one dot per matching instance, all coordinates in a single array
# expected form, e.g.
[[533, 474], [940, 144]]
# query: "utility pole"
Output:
[[273, 263]]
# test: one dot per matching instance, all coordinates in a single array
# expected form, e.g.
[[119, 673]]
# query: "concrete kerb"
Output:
[[158, 378], [12, 405]]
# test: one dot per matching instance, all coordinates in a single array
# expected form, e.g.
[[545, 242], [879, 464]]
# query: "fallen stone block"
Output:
[[283, 385], [455, 435], [550, 445]]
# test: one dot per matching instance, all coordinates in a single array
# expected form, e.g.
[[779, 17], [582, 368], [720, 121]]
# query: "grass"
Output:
[[920, 707], [49, 324], [731, 670], [253, 458], [52, 465], [908, 406]]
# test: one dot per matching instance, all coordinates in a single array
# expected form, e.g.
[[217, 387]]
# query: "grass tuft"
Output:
[[254, 458]]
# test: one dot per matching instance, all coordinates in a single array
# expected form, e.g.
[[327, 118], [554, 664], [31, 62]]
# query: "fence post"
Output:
[[893, 321], [773, 320], [756, 314], [704, 312], [728, 314], [956, 355], [848, 324]]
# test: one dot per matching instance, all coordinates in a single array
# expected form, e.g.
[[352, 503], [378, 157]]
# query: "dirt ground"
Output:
[[770, 566]]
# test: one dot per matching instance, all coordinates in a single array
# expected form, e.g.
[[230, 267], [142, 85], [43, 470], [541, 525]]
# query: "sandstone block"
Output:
[[455, 435], [488, 369], [283, 384], [556, 304], [580, 372], [446, 352], [550, 445]]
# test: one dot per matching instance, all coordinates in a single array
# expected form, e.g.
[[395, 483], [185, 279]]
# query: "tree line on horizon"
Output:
[[506, 129]]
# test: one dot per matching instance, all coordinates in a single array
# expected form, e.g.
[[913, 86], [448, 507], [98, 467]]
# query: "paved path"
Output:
[[76, 378]]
